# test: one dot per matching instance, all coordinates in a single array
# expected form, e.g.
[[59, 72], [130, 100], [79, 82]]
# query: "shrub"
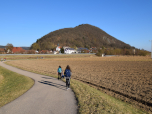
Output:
[[142, 53]]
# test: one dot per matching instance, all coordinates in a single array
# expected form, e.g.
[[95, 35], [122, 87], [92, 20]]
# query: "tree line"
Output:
[[124, 51]]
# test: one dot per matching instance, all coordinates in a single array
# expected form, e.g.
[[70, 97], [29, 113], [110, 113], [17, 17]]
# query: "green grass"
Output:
[[12, 85]]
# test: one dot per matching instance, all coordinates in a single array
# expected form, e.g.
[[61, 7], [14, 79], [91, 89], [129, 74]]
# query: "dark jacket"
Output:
[[67, 73]]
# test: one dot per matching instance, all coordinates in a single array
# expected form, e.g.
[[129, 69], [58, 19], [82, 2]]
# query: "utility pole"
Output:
[[151, 49]]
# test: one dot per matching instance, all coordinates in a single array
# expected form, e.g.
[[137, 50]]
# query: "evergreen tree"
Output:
[[62, 50]]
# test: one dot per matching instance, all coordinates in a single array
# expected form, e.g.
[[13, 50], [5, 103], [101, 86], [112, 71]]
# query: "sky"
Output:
[[22, 22]]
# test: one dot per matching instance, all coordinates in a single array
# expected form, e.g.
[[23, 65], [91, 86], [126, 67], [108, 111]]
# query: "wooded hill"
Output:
[[84, 35]]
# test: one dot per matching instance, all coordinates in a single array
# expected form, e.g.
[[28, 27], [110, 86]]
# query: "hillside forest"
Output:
[[86, 36]]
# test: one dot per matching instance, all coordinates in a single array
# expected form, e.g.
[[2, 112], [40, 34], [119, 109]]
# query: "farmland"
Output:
[[126, 78]]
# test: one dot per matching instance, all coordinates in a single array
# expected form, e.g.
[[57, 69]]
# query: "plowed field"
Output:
[[126, 78]]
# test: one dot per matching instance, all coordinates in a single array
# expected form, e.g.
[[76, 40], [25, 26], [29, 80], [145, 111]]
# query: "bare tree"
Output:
[[9, 47]]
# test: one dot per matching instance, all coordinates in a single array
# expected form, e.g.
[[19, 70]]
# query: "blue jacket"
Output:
[[67, 73], [59, 70]]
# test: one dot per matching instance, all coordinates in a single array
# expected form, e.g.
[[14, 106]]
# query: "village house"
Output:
[[64, 47], [93, 50], [58, 48], [18, 50], [69, 50], [2, 51], [83, 50], [8, 51]]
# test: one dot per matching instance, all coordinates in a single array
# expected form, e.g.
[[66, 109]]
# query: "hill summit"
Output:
[[84, 35]]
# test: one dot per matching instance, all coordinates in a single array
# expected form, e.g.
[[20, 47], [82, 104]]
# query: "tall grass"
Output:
[[12, 85]]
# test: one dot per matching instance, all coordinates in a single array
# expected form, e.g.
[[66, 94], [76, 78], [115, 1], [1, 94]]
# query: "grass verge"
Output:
[[93, 101], [12, 85]]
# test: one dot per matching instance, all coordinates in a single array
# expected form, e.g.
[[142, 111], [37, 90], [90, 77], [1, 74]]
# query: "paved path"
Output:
[[47, 96]]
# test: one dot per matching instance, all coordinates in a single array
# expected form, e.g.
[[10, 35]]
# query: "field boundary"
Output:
[[47, 54], [119, 93]]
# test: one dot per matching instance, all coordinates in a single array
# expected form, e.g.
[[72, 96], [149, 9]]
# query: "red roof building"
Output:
[[45, 52], [17, 50], [2, 51]]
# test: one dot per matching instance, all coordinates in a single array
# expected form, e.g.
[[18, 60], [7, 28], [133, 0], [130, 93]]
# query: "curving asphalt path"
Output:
[[47, 96]]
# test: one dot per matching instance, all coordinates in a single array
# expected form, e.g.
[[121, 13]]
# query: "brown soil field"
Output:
[[126, 78]]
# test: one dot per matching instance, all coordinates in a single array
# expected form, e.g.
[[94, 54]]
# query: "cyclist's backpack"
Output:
[[68, 73], [59, 70]]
